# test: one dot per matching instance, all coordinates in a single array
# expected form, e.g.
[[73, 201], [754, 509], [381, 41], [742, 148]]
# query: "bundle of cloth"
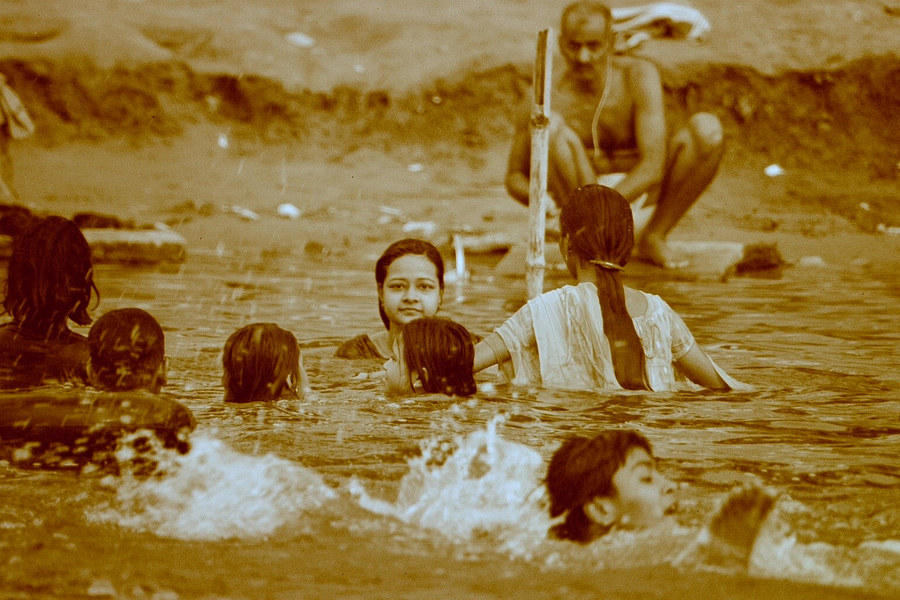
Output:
[[15, 117], [633, 25]]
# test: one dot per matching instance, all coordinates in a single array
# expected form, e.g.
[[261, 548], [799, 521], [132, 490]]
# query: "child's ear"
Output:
[[602, 511]]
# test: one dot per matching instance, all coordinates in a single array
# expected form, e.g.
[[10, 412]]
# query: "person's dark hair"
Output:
[[582, 469], [600, 229], [49, 276], [402, 248], [127, 348], [584, 9], [441, 353], [260, 361]]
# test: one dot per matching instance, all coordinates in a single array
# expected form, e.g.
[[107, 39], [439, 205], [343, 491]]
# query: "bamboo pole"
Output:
[[540, 142]]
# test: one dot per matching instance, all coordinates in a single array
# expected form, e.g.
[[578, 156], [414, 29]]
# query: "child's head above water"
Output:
[[128, 349], [606, 481], [434, 356], [410, 279], [260, 362], [49, 276]]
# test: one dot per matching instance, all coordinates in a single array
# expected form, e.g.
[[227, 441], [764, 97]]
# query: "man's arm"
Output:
[[519, 164], [644, 84]]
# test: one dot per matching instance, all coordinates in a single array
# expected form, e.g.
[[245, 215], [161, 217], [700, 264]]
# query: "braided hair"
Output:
[[600, 230]]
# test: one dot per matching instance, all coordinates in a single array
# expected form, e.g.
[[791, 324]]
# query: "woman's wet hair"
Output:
[[442, 354], [127, 348], [49, 276], [402, 248], [260, 361], [582, 469], [600, 229]]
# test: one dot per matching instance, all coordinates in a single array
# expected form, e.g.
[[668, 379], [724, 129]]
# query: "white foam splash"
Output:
[[215, 492], [471, 485], [778, 553]]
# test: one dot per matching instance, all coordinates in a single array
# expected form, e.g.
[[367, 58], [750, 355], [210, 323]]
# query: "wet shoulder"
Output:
[[655, 308], [635, 65], [27, 360], [361, 346], [637, 303]]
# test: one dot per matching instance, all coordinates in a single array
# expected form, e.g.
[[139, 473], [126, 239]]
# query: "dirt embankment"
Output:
[[818, 120]]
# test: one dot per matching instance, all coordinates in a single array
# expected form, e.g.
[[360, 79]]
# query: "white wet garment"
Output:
[[557, 341]]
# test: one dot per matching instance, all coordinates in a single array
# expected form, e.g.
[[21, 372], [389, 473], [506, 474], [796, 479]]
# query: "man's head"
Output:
[[586, 39], [128, 351], [605, 481]]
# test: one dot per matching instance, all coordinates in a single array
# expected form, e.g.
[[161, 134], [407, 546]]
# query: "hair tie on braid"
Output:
[[605, 264]]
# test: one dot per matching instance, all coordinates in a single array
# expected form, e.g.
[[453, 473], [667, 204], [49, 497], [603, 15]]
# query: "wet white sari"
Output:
[[557, 341]]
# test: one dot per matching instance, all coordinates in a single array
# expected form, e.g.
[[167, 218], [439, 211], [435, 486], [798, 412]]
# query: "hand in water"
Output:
[[734, 527]]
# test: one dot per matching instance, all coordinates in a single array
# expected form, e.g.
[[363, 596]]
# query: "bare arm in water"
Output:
[[699, 369]]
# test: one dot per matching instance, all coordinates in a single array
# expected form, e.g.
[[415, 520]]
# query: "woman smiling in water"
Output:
[[410, 279]]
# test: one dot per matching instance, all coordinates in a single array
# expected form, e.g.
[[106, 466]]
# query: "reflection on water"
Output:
[[348, 493]]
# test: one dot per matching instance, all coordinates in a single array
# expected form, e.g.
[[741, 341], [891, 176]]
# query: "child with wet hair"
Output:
[[127, 351], [261, 362], [610, 481], [435, 356], [49, 282]]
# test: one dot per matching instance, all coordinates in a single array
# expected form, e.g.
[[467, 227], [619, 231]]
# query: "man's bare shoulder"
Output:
[[636, 66], [640, 76]]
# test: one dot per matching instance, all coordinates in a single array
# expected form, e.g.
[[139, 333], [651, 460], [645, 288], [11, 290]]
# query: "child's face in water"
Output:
[[411, 290], [643, 496]]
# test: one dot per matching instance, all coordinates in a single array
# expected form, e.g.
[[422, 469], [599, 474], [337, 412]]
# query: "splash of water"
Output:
[[779, 553], [214, 492], [470, 486]]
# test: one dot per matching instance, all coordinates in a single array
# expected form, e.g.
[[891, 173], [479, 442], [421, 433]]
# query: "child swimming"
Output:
[[49, 282], [127, 351], [598, 334], [261, 362], [610, 481], [434, 355], [410, 280]]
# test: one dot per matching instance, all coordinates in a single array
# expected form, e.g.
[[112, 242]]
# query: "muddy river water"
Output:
[[350, 494]]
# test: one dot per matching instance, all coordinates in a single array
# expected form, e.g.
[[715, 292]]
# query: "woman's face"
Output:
[[411, 289]]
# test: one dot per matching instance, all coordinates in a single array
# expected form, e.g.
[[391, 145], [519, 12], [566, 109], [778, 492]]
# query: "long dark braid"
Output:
[[600, 228]]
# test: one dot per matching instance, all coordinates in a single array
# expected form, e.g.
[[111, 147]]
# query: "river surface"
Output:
[[350, 494]]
